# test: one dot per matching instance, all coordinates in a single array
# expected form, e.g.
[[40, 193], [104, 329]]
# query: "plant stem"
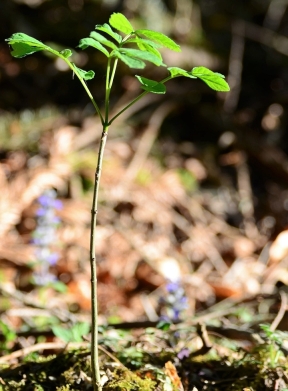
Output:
[[127, 107], [136, 100], [94, 331], [107, 89], [113, 73], [106, 123], [82, 81]]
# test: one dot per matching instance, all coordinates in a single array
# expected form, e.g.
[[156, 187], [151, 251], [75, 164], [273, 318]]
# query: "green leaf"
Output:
[[102, 40], [145, 56], [220, 74], [144, 41], [212, 79], [80, 329], [86, 75], [146, 45], [160, 38], [23, 45], [8, 333], [21, 37], [130, 61], [121, 23], [151, 85], [66, 53], [148, 48], [64, 334], [164, 325], [85, 42], [107, 29], [175, 71], [74, 334], [59, 286], [22, 49]]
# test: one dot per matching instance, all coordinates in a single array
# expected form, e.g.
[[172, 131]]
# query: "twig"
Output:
[[148, 138], [267, 37], [275, 13], [148, 308], [61, 314], [281, 313], [235, 66], [246, 196], [41, 346], [53, 346], [111, 356], [202, 332], [92, 133]]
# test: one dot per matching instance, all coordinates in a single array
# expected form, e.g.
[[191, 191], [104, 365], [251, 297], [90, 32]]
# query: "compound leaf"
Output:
[[102, 40], [130, 61], [151, 85], [142, 55], [121, 23], [86, 75], [212, 79], [175, 71], [85, 42], [160, 38], [107, 29]]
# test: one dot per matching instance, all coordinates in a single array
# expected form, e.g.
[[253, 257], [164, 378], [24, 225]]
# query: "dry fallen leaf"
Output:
[[171, 371]]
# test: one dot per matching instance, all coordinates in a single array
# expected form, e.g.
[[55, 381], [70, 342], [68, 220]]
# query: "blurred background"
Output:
[[195, 183]]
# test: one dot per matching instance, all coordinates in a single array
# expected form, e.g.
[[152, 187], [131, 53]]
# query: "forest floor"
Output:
[[191, 288]]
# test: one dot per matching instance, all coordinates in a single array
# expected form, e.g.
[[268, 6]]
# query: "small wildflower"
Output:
[[44, 236], [174, 303], [184, 353]]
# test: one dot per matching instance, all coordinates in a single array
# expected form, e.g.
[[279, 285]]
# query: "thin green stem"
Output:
[[107, 90], [127, 107], [135, 100], [113, 73], [94, 330], [89, 94], [82, 81]]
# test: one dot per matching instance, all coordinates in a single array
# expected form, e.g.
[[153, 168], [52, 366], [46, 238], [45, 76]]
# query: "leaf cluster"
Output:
[[73, 334], [133, 47], [22, 45]]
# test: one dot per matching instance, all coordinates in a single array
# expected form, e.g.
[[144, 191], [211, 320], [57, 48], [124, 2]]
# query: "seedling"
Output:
[[118, 41]]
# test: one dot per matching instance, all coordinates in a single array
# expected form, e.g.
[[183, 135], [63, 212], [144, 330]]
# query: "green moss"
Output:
[[125, 380], [261, 369], [47, 374]]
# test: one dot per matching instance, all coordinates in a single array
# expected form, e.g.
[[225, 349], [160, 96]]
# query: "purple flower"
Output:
[[175, 302], [45, 236], [184, 353], [44, 279], [172, 287], [58, 204], [52, 258]]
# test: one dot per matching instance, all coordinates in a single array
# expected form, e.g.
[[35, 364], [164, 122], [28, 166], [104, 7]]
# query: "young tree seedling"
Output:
[[118, 41]]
